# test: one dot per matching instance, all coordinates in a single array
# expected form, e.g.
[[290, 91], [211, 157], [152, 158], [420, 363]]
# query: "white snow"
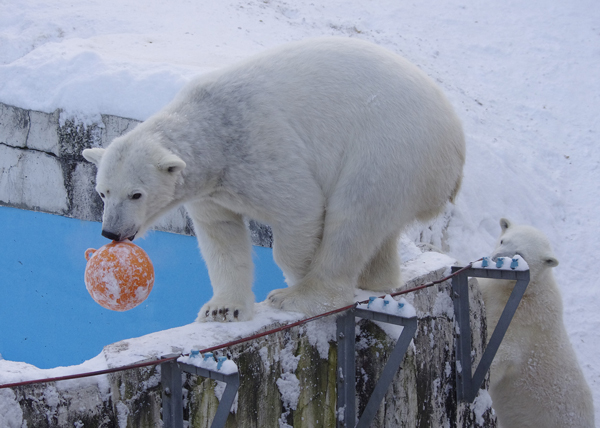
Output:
[[320, 334], [428, 261], [523, 77], [482, 403], [289, 388], [443, 306], [122, 414], [11, 415], [288, 383], [264, 356]]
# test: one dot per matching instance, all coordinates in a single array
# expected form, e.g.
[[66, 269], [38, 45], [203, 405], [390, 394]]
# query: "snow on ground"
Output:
[[523, 77]]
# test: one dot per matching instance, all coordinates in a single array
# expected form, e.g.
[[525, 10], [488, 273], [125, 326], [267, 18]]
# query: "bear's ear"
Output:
[[171, 163], [93, 155], [505, 224], [550, 261]]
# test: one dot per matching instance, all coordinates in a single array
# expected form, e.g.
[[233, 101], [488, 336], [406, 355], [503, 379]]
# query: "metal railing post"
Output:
[[232, 381], [460, 298], [346, 365], [172, 395], [392, 365], [346, 370], [468, 384], [500, 330]]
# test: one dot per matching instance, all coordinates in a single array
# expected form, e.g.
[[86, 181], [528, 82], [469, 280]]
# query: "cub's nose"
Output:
[[110, 235]]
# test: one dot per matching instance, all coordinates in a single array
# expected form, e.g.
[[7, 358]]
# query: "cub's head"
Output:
[[526, 241], [137, 183]]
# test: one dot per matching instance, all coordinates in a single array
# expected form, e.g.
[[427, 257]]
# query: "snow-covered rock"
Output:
[[287, 378]]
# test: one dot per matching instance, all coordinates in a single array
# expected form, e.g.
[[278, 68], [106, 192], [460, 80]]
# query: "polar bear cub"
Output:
[[336, 143], [536, 380]]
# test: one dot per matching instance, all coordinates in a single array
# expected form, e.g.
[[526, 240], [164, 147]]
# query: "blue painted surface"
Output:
[[47, 317]]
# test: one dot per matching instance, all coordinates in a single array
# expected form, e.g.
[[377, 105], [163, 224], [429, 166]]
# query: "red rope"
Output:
[[89, 374], [227, 344]]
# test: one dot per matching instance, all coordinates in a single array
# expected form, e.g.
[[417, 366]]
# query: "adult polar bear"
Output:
[[535, 377], [335, 143]]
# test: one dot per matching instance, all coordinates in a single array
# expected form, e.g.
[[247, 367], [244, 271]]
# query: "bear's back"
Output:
[[337, 86], [343, 108]]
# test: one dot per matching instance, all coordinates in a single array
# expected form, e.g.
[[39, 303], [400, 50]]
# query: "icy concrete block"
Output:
[[261, 234], [53, 406], [31, 179], [14, 126], [115, 126], [43, 135], [175, 221], [85, 202], [74, 137]]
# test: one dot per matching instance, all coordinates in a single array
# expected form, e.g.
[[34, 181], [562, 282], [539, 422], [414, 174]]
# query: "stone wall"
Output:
[[422, 394]]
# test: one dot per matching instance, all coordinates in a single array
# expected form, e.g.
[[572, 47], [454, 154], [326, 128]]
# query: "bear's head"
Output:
[[528, 242], [137, 183]]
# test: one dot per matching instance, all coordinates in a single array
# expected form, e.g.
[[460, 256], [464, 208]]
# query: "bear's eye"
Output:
[[136, 196], [501, 241], [102, 195]]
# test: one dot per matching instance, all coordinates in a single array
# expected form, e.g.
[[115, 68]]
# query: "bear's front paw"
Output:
[[225, 311]]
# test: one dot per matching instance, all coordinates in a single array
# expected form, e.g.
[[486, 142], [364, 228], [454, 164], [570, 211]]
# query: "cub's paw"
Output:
[[223, 310]]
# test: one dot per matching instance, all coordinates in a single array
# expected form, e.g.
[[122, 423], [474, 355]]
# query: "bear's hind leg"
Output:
[[227, 250], [382, 273], [348, 243], [294, 245]]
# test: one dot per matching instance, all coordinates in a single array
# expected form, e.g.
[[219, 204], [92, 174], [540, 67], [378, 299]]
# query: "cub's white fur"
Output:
[[536, 380], [335, 143]]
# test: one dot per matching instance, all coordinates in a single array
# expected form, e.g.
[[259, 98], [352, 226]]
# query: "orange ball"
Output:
[[119, 276]]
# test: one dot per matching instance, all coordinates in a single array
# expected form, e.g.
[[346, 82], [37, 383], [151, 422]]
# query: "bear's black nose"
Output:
[[110, 235]]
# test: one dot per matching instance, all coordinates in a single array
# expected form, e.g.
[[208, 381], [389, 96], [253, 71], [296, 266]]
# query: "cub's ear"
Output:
[[93, 155], [550, 261], [171, 163], [505, 224]]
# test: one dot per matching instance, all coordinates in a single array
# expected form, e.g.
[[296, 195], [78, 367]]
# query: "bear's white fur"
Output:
[[535, 379], [335, 143]]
